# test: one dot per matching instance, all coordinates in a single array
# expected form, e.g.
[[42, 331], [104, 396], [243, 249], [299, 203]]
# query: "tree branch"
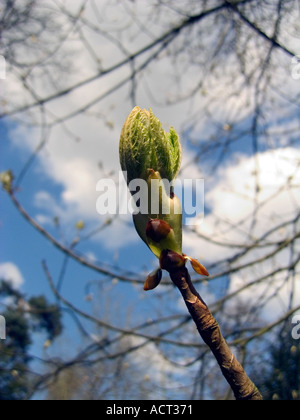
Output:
[[166, 38], [69, 251], [241, 385]]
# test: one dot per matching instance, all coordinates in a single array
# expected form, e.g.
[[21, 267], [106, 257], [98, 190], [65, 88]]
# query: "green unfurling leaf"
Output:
[[144, 145]]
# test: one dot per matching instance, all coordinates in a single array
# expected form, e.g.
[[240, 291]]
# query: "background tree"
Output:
[[281, 378], [224, 73], [24, 317]]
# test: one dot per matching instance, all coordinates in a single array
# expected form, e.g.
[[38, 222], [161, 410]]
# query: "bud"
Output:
[[145, 145], [80, 225], [161, 236], [153, 280], [7, 179], [158, 230], [172, 219], [171, 261], [148, 152]]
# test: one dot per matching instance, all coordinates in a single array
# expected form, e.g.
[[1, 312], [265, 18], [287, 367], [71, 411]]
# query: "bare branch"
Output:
[[208, 328]]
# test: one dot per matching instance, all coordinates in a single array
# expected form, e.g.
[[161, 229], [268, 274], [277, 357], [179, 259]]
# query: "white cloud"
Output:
[[10, 272], [272, 296], [233, 200], [157, 369]]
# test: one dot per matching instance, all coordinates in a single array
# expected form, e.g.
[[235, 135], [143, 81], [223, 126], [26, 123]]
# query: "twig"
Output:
[[69, 251], [164, 39], [241, 385], [134, 332]]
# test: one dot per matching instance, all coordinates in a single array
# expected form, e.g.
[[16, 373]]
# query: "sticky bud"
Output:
[[170, 260], [157, 230], [80, 225], [145, 144], [149, 153], [153, 280], [7, 179], [161, 236]]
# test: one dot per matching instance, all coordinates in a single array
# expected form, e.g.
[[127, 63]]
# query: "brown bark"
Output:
[[241, 385]]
